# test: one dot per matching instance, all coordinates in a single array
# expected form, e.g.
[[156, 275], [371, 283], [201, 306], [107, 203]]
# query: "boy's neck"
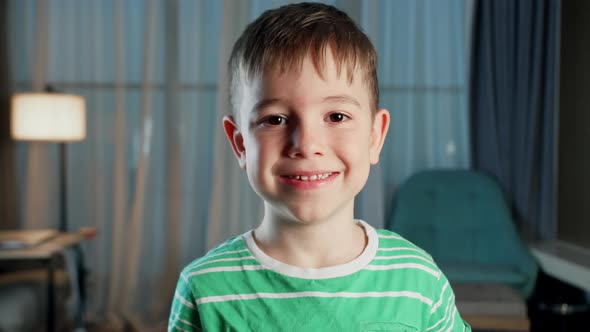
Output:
[[324, 243]]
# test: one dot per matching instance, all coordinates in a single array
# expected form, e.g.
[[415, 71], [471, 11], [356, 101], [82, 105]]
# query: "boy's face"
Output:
[[307, 141]]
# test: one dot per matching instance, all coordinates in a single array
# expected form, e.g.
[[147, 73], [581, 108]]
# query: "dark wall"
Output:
[[8, 203], [574, 130]]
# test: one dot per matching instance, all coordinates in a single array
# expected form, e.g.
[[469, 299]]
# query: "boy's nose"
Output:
[[305, 142]]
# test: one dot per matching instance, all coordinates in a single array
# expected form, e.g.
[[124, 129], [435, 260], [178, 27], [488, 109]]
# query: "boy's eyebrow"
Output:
[[343, 99], [262, 104]]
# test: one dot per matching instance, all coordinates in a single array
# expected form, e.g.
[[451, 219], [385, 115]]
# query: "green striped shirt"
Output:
[[392, 286]]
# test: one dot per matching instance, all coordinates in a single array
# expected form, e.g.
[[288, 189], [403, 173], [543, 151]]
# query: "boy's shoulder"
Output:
[[223, 255], [393, 242]]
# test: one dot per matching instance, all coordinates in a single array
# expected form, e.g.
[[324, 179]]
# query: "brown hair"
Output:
[[281, 38]]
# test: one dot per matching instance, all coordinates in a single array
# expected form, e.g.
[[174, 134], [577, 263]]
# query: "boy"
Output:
[[306, 128]]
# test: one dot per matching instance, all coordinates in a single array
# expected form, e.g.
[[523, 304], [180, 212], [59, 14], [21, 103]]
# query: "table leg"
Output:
[[51, 295], [81, 276]]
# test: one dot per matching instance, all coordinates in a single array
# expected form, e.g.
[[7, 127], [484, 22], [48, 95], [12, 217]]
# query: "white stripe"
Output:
[[436, 324], [236, 239], [440, 320], [184, 321], [244, 297], [439, 302], [226, 252], [176, 327], [391, 237], [443, 318], [404, 256], [404, 248], [184, 278], [184, 301], [215, 251], [205, 258], [233, 259], [228, 269], [176, 317], [403, 266], [453, 314], [448, 315]]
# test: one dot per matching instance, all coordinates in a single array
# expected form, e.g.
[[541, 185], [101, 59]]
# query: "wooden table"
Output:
[[45, 253], [491, 306]]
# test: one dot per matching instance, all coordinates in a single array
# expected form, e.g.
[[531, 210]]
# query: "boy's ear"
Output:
[[378, 133], [235, 139]]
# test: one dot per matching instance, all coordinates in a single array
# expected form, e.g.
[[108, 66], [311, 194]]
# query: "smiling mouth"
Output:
[[314, 177]]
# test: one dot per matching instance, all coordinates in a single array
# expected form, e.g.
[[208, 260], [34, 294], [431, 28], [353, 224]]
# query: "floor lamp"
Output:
[[50, 117]]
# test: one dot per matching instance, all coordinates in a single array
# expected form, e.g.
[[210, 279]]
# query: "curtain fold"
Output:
[[514, 105], [120, 183], [134, 241], [176, 163]]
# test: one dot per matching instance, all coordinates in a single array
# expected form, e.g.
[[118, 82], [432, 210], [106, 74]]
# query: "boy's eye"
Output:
[[337, 117], [274, 120]]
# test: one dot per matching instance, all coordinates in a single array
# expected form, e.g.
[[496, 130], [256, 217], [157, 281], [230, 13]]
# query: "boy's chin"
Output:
[[306, 220], [307, 217], [309, 211]]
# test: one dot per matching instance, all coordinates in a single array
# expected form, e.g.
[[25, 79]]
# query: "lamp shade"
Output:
[[48, 117]]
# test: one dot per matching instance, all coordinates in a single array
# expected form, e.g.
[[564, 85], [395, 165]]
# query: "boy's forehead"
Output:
[[309, 68], [323, 64], [279, 81]]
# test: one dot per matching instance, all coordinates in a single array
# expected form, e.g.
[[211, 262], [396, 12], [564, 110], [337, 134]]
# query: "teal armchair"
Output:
[[462, 219]]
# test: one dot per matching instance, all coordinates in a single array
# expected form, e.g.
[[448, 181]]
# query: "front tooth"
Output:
[[304, 178], [313, 177]]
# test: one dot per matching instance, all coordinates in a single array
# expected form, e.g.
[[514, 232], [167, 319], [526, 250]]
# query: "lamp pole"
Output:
[[63, 187], [63, 182]]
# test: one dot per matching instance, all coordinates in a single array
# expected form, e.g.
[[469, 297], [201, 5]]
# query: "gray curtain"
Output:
[[8, 218], [514, 105]]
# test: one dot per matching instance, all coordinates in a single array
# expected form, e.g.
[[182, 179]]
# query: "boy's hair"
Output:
[[281, 38]]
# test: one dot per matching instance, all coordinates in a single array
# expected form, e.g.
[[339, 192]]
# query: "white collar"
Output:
[[345, 269]]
